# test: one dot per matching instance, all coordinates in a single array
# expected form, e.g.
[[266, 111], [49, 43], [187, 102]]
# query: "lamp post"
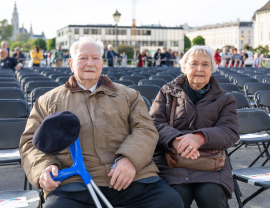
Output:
[[116, 17], [69, 33], [241, 38]]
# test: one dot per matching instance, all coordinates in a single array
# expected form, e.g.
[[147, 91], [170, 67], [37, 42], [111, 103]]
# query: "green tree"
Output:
[[51, 44], [129, 50], [13, 45], [199, 40], [187, 43], [22, 37], [41, 44], [262, 50], [6, 30]]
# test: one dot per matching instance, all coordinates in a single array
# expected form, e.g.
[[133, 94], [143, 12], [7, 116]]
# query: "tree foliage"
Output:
[[187, 43], [199, 40], [51, 44], [22, 37], [262, 50], [6, 30], [40, 43]]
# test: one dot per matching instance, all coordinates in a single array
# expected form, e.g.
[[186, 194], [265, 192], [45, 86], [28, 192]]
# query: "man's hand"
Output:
[[45, 180], [123, 174], [188, 145], [19, 66]]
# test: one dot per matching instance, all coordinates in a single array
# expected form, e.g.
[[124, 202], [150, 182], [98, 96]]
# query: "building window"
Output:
[[62, 32], [249, 32], [95, 31], [66, 43], [174, 43], [153, 43], [59, 34], [249, 41], [242, 32], [261, 36], [160, 43], [144, 43], [122, 32], [76, 31], [86, 31]]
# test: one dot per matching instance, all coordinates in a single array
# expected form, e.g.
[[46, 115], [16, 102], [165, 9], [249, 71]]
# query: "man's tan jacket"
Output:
[[114, 121]]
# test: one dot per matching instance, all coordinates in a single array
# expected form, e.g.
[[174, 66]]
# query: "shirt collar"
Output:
[[91, 89]]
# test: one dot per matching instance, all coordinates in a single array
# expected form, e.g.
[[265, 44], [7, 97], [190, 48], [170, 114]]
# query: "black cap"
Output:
[[57, 132]]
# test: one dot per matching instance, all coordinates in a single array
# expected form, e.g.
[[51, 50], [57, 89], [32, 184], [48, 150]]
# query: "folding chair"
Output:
[[148, 104], [116, 75], [260, 77], [253, 121], [241, 81], [148, 91], [134, 79], [37, 92], [11, 108], [56, 75], [266, 79], [11, 93], [241, 100], [62, 80], [34, 84], [146, 75], [251, 88], [262, 100], [229, 87], [124, 82], [168, 78], [167, 73], [36, 78], [157, 82], [8, 79]]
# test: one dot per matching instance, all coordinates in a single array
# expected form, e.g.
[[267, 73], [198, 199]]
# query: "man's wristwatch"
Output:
[[116, 160]]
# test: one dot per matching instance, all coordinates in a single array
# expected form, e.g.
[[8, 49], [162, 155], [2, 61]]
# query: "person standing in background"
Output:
[[58, 57], [157, 57], [141, 58], [36, 56], [149, 61], [166, 56], [217, 57], [4, 45], [110, 54]]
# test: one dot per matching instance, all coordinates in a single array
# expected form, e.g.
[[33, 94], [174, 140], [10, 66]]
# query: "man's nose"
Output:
[[90, 62]]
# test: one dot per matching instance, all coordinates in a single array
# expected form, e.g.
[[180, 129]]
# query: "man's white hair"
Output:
[[74, 46], [3, 43], [110, 46], [195, 49]]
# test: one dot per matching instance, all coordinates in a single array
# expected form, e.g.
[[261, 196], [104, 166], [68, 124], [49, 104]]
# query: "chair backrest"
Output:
[[113, 78], [262, 98], [148, 91], [134, 79], [20, 77], [10, 84], [55, 75], [116, 75], [167, 73], [252, 87], [37, 92], [229, 87], [146, 75], [266, 79], [253, 120], [28, 79], [124, 82], [241, 100], [168, 78], [241, 81], [11, 93], [260, 77], [11, 108], [8, 79], [234, 76], [157, 82], [62, 80], [34, 84], [222, 80], [11, 131], [148, 104]]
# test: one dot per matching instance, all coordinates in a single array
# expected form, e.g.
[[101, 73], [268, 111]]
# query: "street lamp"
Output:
[[116, 17], [241, 38], [69, 33]]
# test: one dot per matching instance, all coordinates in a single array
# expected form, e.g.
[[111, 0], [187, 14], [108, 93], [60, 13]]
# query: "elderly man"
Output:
[[115, 126], [110, 54], [4, 45], [8, 62]]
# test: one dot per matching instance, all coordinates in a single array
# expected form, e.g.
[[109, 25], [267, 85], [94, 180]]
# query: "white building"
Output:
[[261, 21], [147, 37], [17, 30], [235, 34]]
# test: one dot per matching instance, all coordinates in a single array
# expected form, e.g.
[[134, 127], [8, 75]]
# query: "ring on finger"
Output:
[[190, 146]]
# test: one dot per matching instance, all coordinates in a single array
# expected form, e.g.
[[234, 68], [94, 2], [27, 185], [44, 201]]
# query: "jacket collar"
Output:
[[175, 87], [103, 82]]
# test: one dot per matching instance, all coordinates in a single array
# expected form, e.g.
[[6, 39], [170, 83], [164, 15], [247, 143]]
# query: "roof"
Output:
[[126, 27], [265, 7]]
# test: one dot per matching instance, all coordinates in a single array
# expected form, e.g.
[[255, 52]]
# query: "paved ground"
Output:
[[12, 178]]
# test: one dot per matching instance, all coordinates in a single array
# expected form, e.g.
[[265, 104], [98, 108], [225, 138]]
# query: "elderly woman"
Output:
[[205, 118]]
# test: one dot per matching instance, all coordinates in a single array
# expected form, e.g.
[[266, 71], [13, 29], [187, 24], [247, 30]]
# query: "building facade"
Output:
[[145, 37], [21, 30], [235, 34], [261, 21]]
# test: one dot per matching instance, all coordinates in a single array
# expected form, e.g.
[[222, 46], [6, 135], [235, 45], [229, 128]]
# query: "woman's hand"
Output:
[[188, 145]]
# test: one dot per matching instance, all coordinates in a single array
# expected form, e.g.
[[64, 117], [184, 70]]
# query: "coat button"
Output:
[[187, 179]]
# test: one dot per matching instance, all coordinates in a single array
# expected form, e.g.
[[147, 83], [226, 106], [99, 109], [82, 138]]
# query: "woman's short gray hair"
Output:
[[195, 49], [74, 46]]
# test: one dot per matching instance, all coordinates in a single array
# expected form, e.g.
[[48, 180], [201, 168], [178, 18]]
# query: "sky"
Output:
[[51, 15]]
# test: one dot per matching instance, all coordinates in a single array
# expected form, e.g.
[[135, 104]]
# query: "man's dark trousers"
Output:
[[137, 195]]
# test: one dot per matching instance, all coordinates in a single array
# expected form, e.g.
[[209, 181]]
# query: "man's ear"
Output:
[[70, 61]]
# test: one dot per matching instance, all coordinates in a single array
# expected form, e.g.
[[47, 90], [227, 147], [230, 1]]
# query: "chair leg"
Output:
[[237, 195], [30, 186], [254, 195], [25, 182], [259, 148]]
